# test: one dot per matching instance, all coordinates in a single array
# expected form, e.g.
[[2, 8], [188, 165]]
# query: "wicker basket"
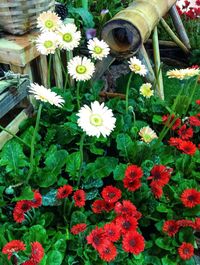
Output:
[[20, 16]]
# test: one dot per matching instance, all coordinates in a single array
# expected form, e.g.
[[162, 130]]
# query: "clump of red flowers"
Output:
[[191, 11], [14, 246], [24, 206], [159, 176], [132, 179]]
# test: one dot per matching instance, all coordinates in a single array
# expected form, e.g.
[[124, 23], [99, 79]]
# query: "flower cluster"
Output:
[[189, 8], [24, 206], [132, 179], [124, 225], [160, 176], [14, 246]]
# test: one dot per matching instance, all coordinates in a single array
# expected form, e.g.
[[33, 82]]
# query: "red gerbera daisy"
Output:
[[186, 223], [98, 206], [64, 191], [108, 206], [197, 223], [79, 198], [133, 172], [160, 174], [126, 224], [133, 242], [174, 141], [112, 232], [97, 238], [197, 101], [108, 252], [156, 189], [12, 247], [37, 252], [170, 227], [37, 200], [76, 229], [126, 208], [29, 262], [194, 120], [186, 251], [132, 184], [173, 120], [188, 147], [190, 198], [18, 215], [111, 194], [185, 133], [20, 208]]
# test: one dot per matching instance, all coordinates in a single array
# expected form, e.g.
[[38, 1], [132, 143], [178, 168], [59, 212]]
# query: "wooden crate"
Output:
[[13, 93]]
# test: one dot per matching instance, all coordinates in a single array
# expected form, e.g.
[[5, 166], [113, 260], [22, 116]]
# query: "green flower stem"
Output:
[[15, 136], [70, 208], [65, 209], [192, 95], [81, 158], [49, 71], [85, 4], [33, 142], [68, 79], [61, 63], [127, 91], [78, 95]]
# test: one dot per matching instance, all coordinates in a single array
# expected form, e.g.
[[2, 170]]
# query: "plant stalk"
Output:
[[49, 71], [127, 91], [33, 142], [78, 95], [81, 158], [85, 4]]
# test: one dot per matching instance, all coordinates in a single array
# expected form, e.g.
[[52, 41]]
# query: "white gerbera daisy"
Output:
[[98, 48], [137, 67], [47, 43], [48, 21], [146, 91], [46, 95], [96, 120], [68, 37], [147, 134], [183, 73], [80, 68]]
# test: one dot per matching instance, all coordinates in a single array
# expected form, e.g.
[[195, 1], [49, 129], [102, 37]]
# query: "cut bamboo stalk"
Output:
[[13, 127], [178, 24], [102, 66], [158, 70], [57, 71], [173, 36]]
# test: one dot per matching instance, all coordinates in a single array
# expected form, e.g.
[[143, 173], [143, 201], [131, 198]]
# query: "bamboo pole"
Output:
[[158, 70], [178, 24]]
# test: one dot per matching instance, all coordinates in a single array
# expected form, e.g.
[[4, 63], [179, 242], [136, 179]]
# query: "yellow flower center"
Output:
[[48, 44], [81, 69], [67, 37], [49, 24], [147, 138], [96, 120], [98, 49], [136, 67]]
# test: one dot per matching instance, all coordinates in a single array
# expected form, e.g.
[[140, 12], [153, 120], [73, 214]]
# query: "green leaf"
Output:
[[73, 163], [35, 233], [157, 119], [54, 163], [28, 134], [164, 243], [92, 194], [93, 183], [119, 171], [50, 199], [95, 150], [162, 208], [102, 167], [54, 257], [12, 157], [86, 16], [125, 145], [152, 260], [27, 194], [168, 261], [78, 217]]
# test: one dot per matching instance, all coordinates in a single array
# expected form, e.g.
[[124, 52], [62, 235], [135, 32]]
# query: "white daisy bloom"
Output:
[[47, 43], [48, 21], [96, 120], [68, 37], [46, 95], [147, 134], [137, 67], [99, 49], [146, 91], [183, 73], [81, 68]]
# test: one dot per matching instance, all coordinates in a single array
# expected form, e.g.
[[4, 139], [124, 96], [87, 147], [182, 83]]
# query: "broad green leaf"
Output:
[[93, 183], [12, 157], [27, 194], [102, 167], [73, 163], [78, 217], [168, 261], [164, 243], [162, 208], [119, 171], [35, 233], [92, 194], [28, 134], [85, 15], [54, 257], [50, 199], [125, 145]]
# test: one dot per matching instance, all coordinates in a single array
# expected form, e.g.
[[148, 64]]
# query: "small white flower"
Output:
[[68, 37], [147, 134], [99, 49], [48, 21], [47, 43], [146, 91], [96, 120], [46, 95], [137, 67], [80, 68]]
